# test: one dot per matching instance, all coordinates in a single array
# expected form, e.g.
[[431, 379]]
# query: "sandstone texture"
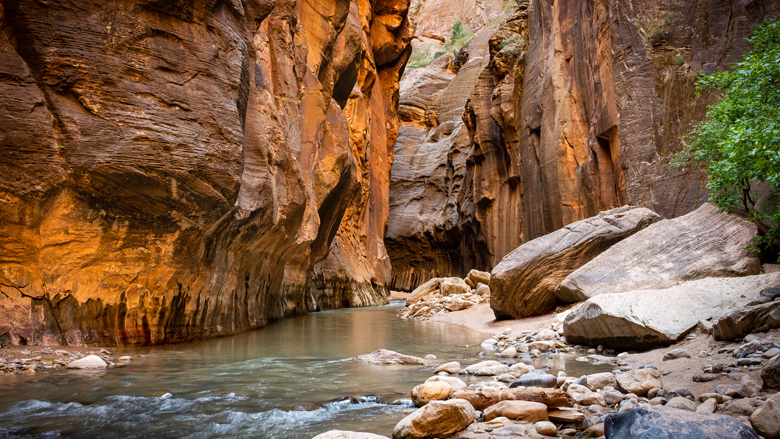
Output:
[[648, 318], [437, 418], [524, 282], [518, 410], [545, 145], [430, 391], [741, 322], [766, 420], [701, 244], [177, 171]]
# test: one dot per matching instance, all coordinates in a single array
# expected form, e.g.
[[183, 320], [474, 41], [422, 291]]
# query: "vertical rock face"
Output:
[[579, 110], [429, 211], [174, 170]]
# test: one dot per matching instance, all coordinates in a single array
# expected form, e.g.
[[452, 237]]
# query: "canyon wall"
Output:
[[175, 170], [580, 109]]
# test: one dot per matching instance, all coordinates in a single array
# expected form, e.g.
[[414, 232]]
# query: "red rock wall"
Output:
[[581, 109], [172, 171]]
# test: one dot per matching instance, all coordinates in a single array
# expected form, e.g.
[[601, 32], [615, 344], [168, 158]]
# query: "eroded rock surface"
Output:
[[174, 172], [524, 282], [546, 147], [647, 318], [701, 244]]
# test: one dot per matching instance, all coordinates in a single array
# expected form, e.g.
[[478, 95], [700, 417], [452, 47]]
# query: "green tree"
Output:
[[459, 37], [739, 141]]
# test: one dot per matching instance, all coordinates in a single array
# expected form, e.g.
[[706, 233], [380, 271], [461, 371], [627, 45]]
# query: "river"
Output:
[[292, 379]]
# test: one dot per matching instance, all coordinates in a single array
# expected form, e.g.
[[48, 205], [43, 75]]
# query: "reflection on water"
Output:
[[288, 380]]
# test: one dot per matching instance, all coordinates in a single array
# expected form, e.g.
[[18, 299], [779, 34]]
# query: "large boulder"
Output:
[[643, 319], [702, 244], [437, 418], [657, 422], [523, 283], [446, 285], [766, 420], [384, 356], [741, 322]]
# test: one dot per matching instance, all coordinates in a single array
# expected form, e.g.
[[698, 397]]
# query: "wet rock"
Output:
[[676, 353], [476, 277], [639, 381], [520, 368], [766, 420], [510, 352], [700, 244], [430, 391], [649, 318], [384, 356], [661, 422], [486, 368], [524, 282], [451, 367], [546, 428], [542, 346], [771, 374], [708, 406], [339, 434], [517, 410], [88, 362], [584, 396], [682, 404], [536, 378], [455, 383], [437, 418], [741, 322]]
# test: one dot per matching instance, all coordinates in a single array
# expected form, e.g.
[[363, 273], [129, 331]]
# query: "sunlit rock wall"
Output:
[[173, 170]]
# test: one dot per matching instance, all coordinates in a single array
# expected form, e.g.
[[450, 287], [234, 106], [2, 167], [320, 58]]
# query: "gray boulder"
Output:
[[656, 422], [741, 322], [648, 318], [523, 283], [702, 244]]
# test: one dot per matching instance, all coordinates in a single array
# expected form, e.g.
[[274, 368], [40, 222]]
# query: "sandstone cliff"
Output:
[[174, 170], [579, 110]]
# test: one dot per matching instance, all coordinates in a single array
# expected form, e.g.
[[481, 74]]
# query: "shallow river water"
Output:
[[287, 380]]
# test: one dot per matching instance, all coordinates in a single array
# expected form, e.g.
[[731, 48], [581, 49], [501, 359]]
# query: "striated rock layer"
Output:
[[174, 170], [580, 109]]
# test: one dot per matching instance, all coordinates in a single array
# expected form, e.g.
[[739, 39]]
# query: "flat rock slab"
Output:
[[384, 356], [523, 283], [660, 422], [739, 323], [702, 244], [648, 318]]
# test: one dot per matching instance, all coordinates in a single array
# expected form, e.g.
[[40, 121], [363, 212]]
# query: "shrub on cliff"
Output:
[[739, 142]]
